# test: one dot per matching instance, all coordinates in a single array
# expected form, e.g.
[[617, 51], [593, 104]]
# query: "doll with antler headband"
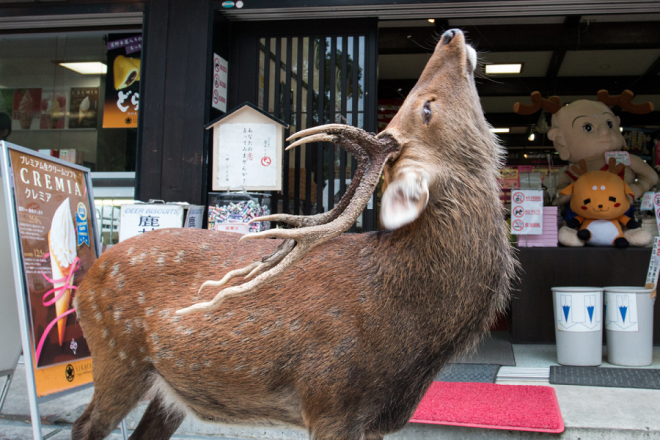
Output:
[[600, 199], [586, 130]]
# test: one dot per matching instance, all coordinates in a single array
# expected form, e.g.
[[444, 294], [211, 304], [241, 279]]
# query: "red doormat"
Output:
[[487, 405]]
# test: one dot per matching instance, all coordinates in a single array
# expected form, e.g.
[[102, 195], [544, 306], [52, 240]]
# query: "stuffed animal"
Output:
[[586, 130], [600, 199]]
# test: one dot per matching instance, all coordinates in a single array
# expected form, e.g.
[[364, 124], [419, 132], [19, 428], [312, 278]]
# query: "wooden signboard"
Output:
[[247, 150]]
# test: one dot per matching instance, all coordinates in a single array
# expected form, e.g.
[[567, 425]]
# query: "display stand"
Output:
[[20, 275]]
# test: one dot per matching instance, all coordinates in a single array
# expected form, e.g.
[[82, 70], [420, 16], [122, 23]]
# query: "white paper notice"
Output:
[[247, 155], [621, 312], [656, 208], [647, 201], [578, 312], [654, 264], [527, 212]]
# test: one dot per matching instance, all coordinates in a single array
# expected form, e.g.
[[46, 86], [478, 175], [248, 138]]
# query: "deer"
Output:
[[337, 334]]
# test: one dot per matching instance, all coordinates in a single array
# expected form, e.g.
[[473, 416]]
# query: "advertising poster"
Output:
[[52, 110], [26, 109], [58, 248], [122, 86], [84, 107]]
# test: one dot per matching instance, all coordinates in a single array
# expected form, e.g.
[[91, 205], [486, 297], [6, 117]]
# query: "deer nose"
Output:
[[449, 35]]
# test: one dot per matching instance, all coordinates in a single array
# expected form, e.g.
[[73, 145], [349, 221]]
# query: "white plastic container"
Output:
[[629, 325], [578, 313]]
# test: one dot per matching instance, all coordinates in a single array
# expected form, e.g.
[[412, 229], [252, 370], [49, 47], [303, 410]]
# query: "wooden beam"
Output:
[[533, 37]]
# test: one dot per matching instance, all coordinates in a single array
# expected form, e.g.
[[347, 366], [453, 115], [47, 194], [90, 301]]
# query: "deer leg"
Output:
[[159, 422], [114, 396]]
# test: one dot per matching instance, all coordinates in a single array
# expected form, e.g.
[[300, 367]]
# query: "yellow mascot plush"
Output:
[[600, 200]]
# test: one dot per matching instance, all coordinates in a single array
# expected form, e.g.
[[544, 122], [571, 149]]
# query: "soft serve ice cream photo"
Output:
[[63, 259], [56, 226]]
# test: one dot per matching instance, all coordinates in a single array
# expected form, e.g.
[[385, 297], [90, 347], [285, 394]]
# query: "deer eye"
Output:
[[612, 199], [586, 201], [588, 128], [427, 112], [610, 124]]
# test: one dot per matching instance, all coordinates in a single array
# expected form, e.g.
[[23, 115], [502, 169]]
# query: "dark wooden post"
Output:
[[171, 157]]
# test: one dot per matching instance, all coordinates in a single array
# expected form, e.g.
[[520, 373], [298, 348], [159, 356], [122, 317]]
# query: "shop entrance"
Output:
[[310, 74]]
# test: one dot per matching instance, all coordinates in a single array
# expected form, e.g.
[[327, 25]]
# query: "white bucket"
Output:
[[578, 313], [629, 325]]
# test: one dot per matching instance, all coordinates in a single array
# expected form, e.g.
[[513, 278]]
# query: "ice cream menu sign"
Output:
[[58, 248]]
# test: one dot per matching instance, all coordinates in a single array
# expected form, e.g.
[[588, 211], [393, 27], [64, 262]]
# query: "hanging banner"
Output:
[[527, 212], [56, 231], [122, 83], [220, 68]]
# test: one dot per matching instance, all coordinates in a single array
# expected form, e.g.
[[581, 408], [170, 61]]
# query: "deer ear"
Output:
[[568, 190], [404, 199]]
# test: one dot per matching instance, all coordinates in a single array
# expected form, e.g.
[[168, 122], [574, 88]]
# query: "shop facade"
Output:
[[312, 63]]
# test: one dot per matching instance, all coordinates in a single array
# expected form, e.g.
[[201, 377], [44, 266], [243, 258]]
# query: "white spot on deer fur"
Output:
[[161, 260], [179, 257], [122, 355], [165, 313], [140, 297], [105, 333], [112, 343], [141, 349], [104, 265], [133, 362], [205, 246], [115, 270], [149, 311], [99, 316], [130, 250], [117, 314], [90, 294]]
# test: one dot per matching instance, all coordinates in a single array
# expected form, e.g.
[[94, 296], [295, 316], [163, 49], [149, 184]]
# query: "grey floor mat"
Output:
[[495, 349], [606, 377], [468, 373]]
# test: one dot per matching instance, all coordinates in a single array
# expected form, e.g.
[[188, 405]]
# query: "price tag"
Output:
[[620, 156]]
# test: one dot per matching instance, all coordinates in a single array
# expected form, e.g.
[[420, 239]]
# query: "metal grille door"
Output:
[[316, 79]]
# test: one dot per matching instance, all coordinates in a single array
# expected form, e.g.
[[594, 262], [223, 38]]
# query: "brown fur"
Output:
[[347, 341]]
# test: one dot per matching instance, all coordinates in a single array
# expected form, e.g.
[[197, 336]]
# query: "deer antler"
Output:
[[580, 168], [612, 166], [624, 100], [371, 152], [552, 104]]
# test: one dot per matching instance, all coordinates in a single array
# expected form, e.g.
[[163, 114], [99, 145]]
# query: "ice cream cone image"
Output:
[[126, 71], [83, 110], [62, 245], [57, 113], [26, 111]]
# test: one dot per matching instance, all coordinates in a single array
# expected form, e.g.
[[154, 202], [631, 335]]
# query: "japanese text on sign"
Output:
[[247, 153], [527, 212]]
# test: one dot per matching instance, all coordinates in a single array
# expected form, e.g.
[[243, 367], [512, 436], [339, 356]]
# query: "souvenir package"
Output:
[[231, 211]]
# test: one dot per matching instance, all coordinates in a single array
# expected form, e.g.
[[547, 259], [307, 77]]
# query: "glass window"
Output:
[[49, 104]]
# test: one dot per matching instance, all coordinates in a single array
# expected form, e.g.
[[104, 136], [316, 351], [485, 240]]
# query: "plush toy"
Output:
[[600, 199], [586, 130]]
